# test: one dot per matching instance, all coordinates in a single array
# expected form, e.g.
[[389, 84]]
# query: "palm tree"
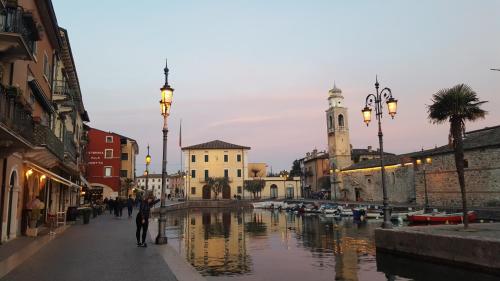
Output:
[[457, 105], [217, 185], [254, 186]]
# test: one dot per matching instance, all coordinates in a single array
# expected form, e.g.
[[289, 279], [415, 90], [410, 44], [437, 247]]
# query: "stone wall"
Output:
[[482, 179], [399, 181]]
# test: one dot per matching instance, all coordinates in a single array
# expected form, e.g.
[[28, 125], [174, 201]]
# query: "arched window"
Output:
[[330, 121], [341, 120]]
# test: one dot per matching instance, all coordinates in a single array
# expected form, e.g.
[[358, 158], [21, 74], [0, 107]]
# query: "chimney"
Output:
[[369, 148]]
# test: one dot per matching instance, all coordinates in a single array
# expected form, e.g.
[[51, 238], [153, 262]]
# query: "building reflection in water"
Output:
[[216, 242]]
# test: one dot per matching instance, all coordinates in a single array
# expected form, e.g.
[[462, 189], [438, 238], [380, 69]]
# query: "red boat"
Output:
[[441, 218]]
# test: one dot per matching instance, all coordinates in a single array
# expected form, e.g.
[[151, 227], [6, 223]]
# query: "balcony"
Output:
[[44, 136], [69, 147], [16, 122], [18, 33]]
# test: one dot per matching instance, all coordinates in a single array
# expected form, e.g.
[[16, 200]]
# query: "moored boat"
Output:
[[441, 217]]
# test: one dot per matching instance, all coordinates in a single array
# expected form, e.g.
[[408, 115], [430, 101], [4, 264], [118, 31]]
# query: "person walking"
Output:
[[142, 220], [117, 207], [111, 205], [130, 205]]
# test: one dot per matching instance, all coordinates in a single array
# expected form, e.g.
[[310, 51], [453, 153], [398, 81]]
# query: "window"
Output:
[[107, 171], [124, 156], [466, 163], [330, 121], [239, 173], [226, 173], [193, 174], [123, 173], [226, 158], [206, 157], [193, 190], [239, 189], [193, 158], [238, 157], [206, 174], [341, 120], [109, 139], [108, 153]]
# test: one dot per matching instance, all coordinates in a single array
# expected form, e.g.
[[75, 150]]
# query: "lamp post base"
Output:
[[387, 224], [161, 238]]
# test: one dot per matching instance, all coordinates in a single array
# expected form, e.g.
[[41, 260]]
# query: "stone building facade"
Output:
[[482, 172], [430, 175]]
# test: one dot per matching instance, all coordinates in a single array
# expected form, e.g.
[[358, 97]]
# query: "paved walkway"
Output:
[[103, 250]]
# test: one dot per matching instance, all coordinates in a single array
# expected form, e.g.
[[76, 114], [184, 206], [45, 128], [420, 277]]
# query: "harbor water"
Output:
[[243, 245]]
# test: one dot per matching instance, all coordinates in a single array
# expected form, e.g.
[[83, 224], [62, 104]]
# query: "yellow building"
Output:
[[211, 160], [280, 188], [129, 151]]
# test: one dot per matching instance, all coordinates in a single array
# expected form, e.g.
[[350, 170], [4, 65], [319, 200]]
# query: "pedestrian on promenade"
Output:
[[142, 220], [111, 205], [130, 205], [117, 207]]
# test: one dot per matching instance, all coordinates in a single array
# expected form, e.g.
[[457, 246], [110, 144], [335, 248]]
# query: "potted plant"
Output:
[[36, 207], [86, 215]]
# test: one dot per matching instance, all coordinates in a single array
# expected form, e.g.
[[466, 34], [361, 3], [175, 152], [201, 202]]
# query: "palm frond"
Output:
[[459, 101]]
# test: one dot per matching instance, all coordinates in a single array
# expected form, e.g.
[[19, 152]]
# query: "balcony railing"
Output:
[[69, 146], [17, 21], [204, 180], [13, 113], [45, 137]]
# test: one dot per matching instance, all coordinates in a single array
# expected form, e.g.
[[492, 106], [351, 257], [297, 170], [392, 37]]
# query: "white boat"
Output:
[[270, 205], [374, 215], [344, 212]]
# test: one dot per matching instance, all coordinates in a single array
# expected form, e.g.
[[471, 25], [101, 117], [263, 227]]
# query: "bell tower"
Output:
[[339, 144]]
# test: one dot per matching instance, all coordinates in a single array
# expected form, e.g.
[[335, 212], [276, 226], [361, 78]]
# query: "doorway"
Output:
[[226, 192], [207, 193], [274, 191], [12, 211]]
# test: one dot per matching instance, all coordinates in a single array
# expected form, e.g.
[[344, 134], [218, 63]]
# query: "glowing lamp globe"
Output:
[[392, 106]]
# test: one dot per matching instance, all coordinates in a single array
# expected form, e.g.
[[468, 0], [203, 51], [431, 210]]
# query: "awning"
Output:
[[85, 182], [53, 176]]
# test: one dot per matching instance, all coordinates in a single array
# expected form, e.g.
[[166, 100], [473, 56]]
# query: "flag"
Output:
[[180, 134]]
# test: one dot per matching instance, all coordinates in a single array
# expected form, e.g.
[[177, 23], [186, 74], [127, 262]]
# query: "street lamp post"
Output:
[[375, 101], [428, 160], [146, 173], [167, 94]]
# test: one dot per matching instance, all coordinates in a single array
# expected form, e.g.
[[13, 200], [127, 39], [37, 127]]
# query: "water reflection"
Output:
[[264, 245]]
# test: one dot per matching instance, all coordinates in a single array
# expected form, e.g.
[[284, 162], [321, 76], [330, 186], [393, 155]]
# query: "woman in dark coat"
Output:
[[142, 220]]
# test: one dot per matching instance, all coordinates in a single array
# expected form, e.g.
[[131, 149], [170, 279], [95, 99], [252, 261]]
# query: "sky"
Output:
[[257, 73]]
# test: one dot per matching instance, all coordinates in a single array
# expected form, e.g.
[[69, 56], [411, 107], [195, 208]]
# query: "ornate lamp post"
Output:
[[375, 101], [167, 94], [146, 173]]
